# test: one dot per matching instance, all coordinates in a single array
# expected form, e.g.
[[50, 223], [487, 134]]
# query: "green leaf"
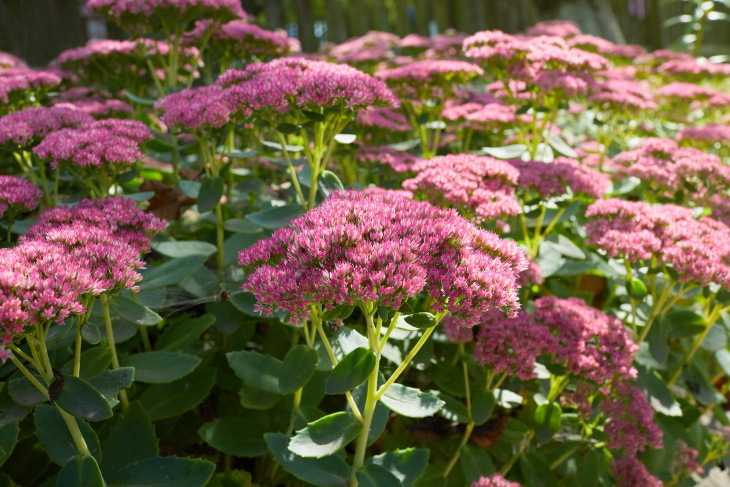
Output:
[[329, 182], [347, 340], [184, 249], [165, 472], [685, 323], [505, 152], [51, 430], [410, 402], [421, 320], [636, 288], [723, 360], [345, 138], [317, 117], [240, 437], [109, 383], [277, 146], [253, 398], [660, 397], [169, 400], [381, 414], [131, 440], [475, 462], [138, 99], [453, 410], [548, 418], [242, 154], [482, 406], [376, 476], [564, 246], [8, 439], [557, 143], [90, 332], [259, 370], [351, 371], [331, 471], [276, 217], [190, 189], [180, 335], [287, 128], [326, 436], [298, 367], [79, 398], [536, 471], [241, 225], [211, 191], [23, 392], [716, 338], [407, 465], [80, 471], [171, 272], [134, 312], [161, 367]]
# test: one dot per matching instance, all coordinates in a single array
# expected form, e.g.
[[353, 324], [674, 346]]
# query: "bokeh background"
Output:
[[38, 30]]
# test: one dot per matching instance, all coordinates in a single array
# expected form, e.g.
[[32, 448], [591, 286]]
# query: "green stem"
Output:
[[709, 321], [220, 240], [295, 408], [457, 453], [23, 370], [292, 171], [112, 346], [564, 457]]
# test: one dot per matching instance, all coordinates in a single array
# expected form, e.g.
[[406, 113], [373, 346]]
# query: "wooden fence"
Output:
[[37, 30]]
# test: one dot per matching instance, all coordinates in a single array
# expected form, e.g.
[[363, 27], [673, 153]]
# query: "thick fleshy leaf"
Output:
[[81, 399], [171, 272], [410, 402], [482, 406], [165, 472], [52, 431], [23, 392], [180, 335], [134, 312], [326, 436], [331, 471], [241, 225], [131, 440], [161, 367], [80, 471], [239, 436], [184, 249], [407, 465], [298, 367], [256, 369], [169, 400], [8, 439], [548, 418], [90, 333], [109, 383], [475, 462], [421, 320], [329, 182], [376, 476], [506, 152], [351, 371], [536, 471], [276, 217], [211, 191], [381, 414]]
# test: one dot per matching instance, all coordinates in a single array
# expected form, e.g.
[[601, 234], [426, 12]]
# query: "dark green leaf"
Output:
[[241, 225], [161, 367], [421, 320], [548, 418], [109, 383], [134, 312], [259, 370], [329, 182], [482, 406], [317, 117], [407, 465], [211, 191], [165, 472], [253, 398], [240, 436], [475, 463], [453, 409], [171, 272], [184, 249], [685, 323], [636, 288], [351, 371], [536, 471], [52, 431], [411, 402], [169, 400], [79, 398], [90, 332], [23, 392], [287, 128], [381, 414], [80, 472], [298, 367], [659, 395], [376, 476], [180, 335], [331, 471], [8, 439], [276, 217], [326, 436], [138, 99], [131, 440]]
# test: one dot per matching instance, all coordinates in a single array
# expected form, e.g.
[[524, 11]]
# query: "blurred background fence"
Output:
[[37, 30]]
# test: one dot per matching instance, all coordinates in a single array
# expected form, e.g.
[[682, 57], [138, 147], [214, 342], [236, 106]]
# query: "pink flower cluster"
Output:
[[483, 117], [88, 249], [135, 11], [28, 127], [241, 39], [95, 104], [430, 72], [667, 168], [17, 195], [630, 472], [382, 119], [17, 83], [592, 43], [630, 419], [7, 60], [709, 134], [373, 46], [692, 69], [685, 458], [678, 91], [384, 248], [591, 344], [494, 480], [622, 96], [455, 332], [558, 28], [398, 161], [195, 109], [480, 186], [512, 345], [288, 83], [96, 144], [548, 180]]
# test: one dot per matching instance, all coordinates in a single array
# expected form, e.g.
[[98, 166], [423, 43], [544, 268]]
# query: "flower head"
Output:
[[28, 127], [494, 480], [194, 109], [17, 195], [630, 472], [553, 179]]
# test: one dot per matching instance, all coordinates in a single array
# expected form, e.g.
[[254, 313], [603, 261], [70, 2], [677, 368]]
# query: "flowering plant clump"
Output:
[[489, 259]]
